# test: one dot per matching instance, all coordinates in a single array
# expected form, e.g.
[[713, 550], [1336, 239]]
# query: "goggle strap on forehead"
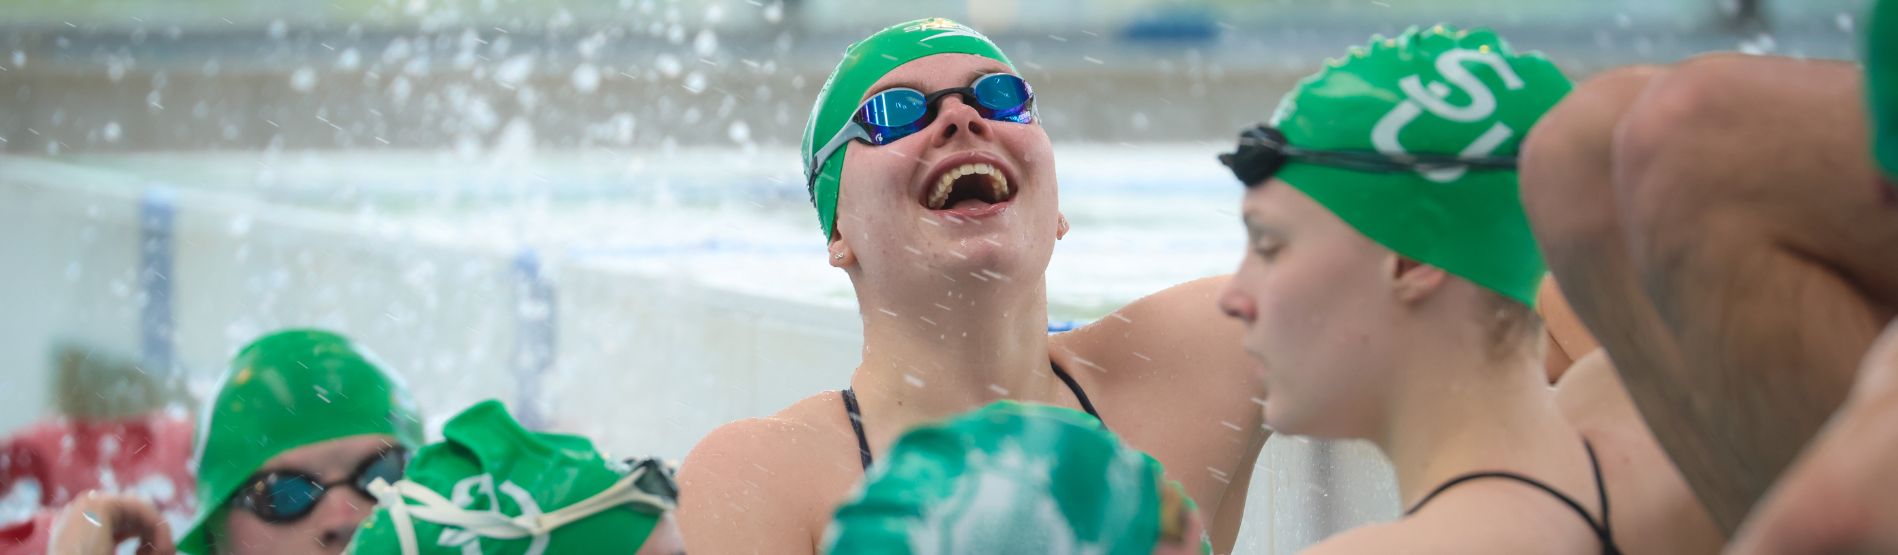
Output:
[[1262, 150]]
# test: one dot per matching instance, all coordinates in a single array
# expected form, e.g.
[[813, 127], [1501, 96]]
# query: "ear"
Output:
[[1412, 281], [1061, 230], [840, 254]]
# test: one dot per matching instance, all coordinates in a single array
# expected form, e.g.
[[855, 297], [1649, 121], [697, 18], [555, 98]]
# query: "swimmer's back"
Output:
[[768, 485], [1478, 517], [1655, 512]]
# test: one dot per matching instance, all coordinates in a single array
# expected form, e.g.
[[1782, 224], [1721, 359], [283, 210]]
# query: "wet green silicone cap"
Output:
[[1438, 91], [1009, 478], [1881, 80], [864, 63], [283, 391], [488, 462]]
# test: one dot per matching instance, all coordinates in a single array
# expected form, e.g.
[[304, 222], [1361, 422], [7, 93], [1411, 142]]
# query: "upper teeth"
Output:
[[941, 192]]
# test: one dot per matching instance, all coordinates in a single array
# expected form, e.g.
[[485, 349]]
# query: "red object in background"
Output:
[[145, 456]]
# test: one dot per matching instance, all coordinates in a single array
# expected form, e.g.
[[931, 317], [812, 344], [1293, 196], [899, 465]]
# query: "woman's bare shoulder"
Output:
[[768, 481]]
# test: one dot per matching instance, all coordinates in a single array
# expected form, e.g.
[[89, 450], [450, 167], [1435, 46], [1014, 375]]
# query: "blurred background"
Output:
[[592, 209]]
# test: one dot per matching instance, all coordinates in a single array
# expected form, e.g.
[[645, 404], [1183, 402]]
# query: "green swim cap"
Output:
[[864, 63], [1881, 81], [1429, 91], [287, 390], [1009, 478], [494, 487]]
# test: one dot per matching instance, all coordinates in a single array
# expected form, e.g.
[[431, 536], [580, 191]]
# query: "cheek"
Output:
[[1310, 314], [875, 177], [244, 534]]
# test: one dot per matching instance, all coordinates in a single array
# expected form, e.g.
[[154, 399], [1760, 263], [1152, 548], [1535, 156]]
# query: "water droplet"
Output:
[[668, 65], [349, 60], [111, 132], [706, 44], [303, 79], [586, 78], [514, 70]]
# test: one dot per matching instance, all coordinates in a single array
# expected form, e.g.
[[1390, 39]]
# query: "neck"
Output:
[[931, 356], [1468, 413]]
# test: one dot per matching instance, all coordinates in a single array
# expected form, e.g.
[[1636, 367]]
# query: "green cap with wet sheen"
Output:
[[1881, 81], [1429, 91]]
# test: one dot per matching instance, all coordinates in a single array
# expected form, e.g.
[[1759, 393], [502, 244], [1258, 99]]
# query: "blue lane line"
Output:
[[535, 317], [157, 216]]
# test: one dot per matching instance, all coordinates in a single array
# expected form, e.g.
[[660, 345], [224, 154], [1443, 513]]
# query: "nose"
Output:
[[955, 117], [337, 517], [1236, 303]]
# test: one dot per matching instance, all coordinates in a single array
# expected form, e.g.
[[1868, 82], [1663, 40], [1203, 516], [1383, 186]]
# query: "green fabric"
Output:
[[287, 390], [1009, 478], [1881, 80], [1437, 91], [497, 465], [864, 63]]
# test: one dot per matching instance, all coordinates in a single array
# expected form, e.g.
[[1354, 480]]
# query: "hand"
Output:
[[95, 523]]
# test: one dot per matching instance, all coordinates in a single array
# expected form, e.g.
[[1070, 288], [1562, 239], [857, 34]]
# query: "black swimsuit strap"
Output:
[[1079, 394], [1606, 531], [856, 424], [1600, 528], [863, 441]]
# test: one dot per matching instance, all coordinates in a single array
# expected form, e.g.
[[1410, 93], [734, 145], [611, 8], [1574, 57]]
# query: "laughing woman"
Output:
[[928, 168]]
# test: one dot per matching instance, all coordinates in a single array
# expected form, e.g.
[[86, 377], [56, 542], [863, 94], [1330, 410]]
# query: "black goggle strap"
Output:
[[1262, 150]]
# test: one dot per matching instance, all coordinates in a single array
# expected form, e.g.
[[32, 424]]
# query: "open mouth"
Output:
[[969, 186]]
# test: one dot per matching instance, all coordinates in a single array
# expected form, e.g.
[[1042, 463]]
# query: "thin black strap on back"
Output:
[[856, 425], [1601, 529], [863, 442], [1080, 395], [1606, 531]]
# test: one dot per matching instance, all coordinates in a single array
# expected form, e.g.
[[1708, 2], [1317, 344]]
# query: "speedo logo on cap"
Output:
[[1432, 97], [948, 28]]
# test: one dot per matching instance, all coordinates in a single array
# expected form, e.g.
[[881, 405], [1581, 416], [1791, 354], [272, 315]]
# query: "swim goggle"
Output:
[[286, 496], [900, 112], [1263, 150]]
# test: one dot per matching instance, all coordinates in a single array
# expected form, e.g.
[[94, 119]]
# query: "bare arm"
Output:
[[1836, 497], [1232, 513], [1183, 355], [733, 500]]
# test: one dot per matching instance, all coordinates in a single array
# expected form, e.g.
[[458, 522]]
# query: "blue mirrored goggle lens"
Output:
[[893, 114], [1001, 93], [894, 108], [897, 113]]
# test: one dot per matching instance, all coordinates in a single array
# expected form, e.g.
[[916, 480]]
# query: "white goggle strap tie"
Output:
[[432, 507]]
